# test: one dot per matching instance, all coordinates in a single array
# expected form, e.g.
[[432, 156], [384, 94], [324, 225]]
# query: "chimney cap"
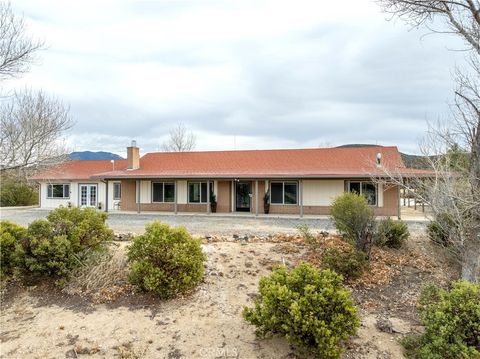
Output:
[[134, 143]]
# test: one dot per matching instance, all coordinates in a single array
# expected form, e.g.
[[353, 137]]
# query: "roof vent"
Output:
[[379, 159], [134, 143]]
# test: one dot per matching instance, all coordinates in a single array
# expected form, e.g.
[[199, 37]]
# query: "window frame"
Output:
[[63, 190], [362, 182], [200, 182], [283, 193], [119, 184], [163, 191]]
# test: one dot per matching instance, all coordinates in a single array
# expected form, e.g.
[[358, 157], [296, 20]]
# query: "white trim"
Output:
[[361, 190], [163, 191], [283, 193]]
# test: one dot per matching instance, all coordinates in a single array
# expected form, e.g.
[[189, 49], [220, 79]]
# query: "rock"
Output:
[[208, 237], [384, 324], [235, 236]]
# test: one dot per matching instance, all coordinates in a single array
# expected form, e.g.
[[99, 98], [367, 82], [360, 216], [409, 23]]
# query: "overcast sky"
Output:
[[244, 74]]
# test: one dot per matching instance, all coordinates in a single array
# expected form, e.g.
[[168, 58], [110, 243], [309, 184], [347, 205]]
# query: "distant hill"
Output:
[[411, 161], [89, 155]]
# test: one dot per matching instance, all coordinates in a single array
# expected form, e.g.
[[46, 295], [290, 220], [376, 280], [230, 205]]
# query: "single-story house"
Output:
[[297, 181]]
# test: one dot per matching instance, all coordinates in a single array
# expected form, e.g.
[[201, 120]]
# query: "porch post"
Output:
[[399, 210], [301, 198], [208, 197], [175, 196], [256, 197], [138, 196], [232, 197], [106, 195]]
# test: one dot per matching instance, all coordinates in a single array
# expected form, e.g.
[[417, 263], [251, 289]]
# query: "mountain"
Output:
[[89, 155]]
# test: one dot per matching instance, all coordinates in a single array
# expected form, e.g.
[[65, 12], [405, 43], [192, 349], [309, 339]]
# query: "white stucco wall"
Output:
[[74, 199], [321, 192], [112, 203], [145, 191]]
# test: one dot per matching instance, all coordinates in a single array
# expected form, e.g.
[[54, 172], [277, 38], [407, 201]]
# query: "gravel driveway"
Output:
[[198, 224]]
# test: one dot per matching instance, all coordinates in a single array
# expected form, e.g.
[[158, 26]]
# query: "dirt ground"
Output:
[[41, 321]]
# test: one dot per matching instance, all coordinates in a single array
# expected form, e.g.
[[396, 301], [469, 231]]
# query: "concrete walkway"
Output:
[[202, 224]]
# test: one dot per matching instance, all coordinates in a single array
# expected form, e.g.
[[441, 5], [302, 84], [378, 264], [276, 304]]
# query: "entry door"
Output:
[[88, 195], [242, 194]]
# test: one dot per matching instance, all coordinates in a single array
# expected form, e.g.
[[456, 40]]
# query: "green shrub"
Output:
[[441, 230], [14, 193], [354, 219], [452, 323], [83, 227], [165, 260], [307, 235], [392, 233], [310, 308], [10, 236], [53, 246], [350, 263]]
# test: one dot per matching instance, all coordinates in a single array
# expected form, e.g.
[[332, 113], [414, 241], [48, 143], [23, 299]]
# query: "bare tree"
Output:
[[17, 49], [462, 17], [454, 191], [31, 128], [180, 140]]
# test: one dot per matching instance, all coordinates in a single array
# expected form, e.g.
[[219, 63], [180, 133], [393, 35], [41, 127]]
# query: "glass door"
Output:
[[88, 195], [242, 197]]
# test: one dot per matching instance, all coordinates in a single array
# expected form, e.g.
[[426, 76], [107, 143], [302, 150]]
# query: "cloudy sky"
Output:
[[240, 74]]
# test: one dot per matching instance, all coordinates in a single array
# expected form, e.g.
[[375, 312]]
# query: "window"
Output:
[[366, 189], [283, 192], [117, 190], [58, 190], [163, 192], [197, 192]]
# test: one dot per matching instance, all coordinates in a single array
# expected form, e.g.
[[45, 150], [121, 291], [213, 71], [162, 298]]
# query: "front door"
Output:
[[242, 196], [88, 195]]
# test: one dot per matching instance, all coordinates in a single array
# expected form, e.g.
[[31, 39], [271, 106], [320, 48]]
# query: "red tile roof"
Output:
[[79, 169], [312, 163]]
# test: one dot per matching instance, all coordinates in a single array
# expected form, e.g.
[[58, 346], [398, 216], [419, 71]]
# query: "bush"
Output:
[[307, 235], [10, 236], [14, 193], [165, 260], [83, 227], [310, 308], [353, 219], [350, 263], [53, 246], [392, 233], [452, 323], [442, 229]]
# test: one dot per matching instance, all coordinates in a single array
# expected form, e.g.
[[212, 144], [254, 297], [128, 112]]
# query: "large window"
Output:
[[366, 189], [117, 190], [163, 192], [197, 192], [283, 192], [58, 190]]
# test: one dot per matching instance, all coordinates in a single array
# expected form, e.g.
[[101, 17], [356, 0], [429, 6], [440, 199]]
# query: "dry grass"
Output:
[[103, 276]]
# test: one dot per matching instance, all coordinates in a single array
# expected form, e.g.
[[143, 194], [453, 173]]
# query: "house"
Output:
[[298, 181]]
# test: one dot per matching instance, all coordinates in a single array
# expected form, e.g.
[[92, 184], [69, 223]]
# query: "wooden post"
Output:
[[208, 196], [176, 198], [256, 197], [106, 195], [398, 203], [138, 196], [300, 195]]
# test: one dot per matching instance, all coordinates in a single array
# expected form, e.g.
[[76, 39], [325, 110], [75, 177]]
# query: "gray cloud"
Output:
[[254, 70]]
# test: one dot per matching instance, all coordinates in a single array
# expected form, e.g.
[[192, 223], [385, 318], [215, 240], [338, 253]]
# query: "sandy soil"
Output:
[[40, 321]]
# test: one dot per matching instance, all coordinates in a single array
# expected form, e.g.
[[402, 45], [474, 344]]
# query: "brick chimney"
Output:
[[133, 156]]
